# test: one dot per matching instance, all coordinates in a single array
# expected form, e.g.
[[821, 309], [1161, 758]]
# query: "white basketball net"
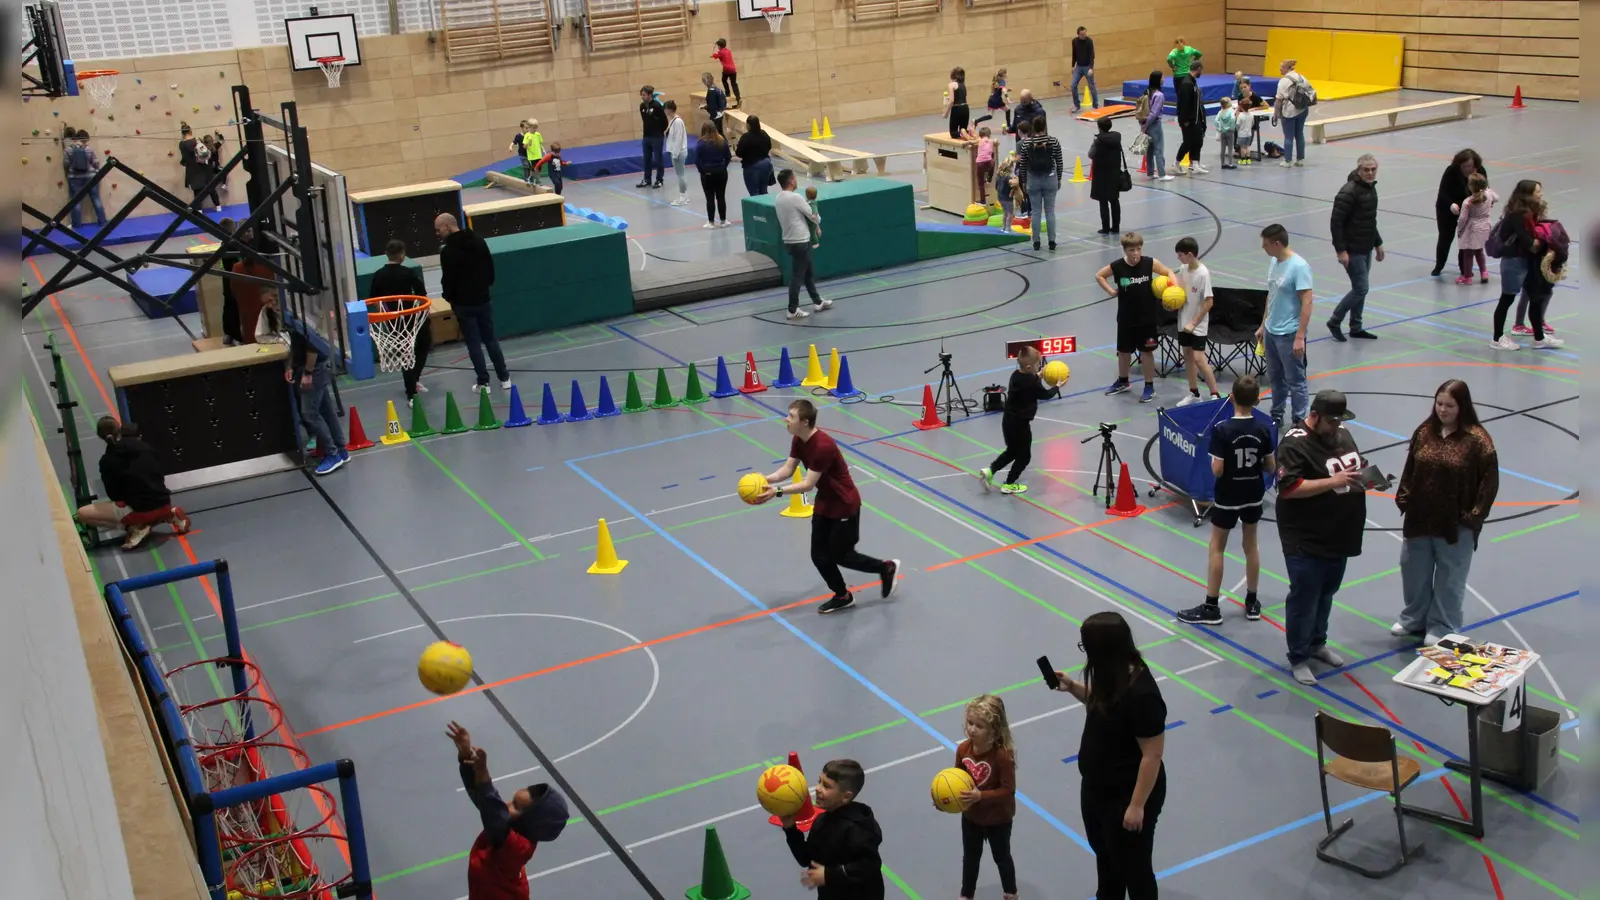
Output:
[[333, 68], [103, 88], [774, 18], [396, 338]]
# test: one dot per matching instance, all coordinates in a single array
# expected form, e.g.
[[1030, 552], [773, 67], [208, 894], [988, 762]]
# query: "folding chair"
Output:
[[1236, 313], [1366, 758], [1168, 355]]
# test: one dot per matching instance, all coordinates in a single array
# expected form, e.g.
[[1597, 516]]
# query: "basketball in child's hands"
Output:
[[781, 790], [444, 667], [1173, 297], [1159, 284], [751, 487], [948, 786], [1056, 373]]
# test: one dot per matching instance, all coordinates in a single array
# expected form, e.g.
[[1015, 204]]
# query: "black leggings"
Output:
[[1447, 236], [1111, 214], [1018, 436], [999, 838], [833, 544], [1122, 858], [1537, 301], [730, 86], [960, 117], [715, 185]]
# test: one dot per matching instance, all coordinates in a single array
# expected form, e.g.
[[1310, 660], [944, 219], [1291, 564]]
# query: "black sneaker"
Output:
[[1333, 330], [643, 184], [1252, 608], [891, 577], [1362, 334], [1204, 614], [834, 604]]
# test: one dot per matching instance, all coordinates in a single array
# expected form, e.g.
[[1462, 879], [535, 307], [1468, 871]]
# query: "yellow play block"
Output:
[[1311, 48], [1367, 59]]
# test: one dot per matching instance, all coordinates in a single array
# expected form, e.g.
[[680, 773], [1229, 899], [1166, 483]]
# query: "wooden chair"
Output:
[[1366, 757]]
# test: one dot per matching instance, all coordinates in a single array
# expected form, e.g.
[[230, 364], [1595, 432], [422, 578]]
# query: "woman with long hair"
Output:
[[1155, 164], [1446, 492], [1520, 255], [1447, 205], [711, 158], [1106, 165], [1124, 781], [1040, 167], [955, 102], [754, 150]]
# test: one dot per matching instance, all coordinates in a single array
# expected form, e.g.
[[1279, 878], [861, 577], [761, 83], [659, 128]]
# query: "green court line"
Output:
[[1532, 528], [1366, 578], [1481, 847], [900, 883], [479, 500]]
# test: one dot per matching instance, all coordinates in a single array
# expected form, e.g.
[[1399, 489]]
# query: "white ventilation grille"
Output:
[[119, 29]]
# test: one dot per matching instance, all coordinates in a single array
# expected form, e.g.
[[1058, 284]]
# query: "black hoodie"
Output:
[[466, 269], [495, 865], [1355, 216], [845, 841], [132, 475]]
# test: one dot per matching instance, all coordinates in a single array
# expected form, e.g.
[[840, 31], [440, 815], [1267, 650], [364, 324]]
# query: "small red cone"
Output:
[[1127, 502], [1516, 99], [1143, 162], [930, 412], [808, 813], [752, 376], [358, 435]]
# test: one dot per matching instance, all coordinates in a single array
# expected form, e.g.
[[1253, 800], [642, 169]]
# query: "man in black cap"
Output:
[[1322, 516]]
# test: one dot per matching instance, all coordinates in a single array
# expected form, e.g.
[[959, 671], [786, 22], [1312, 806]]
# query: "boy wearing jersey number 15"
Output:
[[1241, 452]]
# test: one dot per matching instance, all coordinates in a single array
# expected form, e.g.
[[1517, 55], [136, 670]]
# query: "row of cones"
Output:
[[826, 132], [716, 878]]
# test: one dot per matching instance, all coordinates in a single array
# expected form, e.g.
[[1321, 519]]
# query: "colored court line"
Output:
[[479, 500], [1110, 520], [1542, 525], [72, 335]]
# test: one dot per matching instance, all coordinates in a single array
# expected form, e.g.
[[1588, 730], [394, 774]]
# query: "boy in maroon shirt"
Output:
[[836, 515]]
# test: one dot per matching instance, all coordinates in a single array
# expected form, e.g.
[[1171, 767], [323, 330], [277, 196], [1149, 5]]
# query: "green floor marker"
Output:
[[716, 881], [419, 419], [452, 416], [486, 419], [663, 392], [693, 393], [633, 402]]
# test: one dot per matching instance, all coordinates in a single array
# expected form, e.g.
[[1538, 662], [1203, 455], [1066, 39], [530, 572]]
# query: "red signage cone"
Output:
[[930, 412], [808, 813], [358, 434], [1516, 99], [752, 376], [1127, 502], [1143, 162]]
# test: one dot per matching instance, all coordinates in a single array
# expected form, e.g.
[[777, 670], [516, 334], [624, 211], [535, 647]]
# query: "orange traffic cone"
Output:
[[1516, 99], [930, 412], [752, 376], [1127, 502], [1144, 161], [358, 434], [808, 813]]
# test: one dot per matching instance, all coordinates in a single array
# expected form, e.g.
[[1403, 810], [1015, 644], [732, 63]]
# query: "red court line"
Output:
[[1111, 520], [72, 335]]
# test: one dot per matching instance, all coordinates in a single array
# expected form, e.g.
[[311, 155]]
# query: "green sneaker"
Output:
[[986, 478], [1013, 489]]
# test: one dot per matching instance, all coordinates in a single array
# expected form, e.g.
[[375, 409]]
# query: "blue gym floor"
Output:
[[661, 692]]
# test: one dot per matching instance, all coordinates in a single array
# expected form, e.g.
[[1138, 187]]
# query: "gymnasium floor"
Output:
[[661, 692]]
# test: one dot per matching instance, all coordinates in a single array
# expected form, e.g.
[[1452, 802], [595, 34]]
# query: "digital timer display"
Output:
[[1050, 346]]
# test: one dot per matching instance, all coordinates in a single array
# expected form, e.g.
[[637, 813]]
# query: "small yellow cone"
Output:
[[605, 555], [833, 370], [1077, 171], [392, 432], [814, 373], [1184, 163], [798, 508], [827, 130], [816, 135], [1261, 348], [1088, 99]]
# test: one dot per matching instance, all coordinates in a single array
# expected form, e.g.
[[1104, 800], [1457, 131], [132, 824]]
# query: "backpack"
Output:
[[1041, 161], [1141, 110], [1301, 94], [78, 160], [1495, 246]]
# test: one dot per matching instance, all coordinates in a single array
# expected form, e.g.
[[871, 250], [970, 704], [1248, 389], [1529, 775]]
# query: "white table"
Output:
[[1473, 767]]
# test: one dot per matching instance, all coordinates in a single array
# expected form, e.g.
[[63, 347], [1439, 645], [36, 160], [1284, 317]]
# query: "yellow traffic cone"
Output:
[[827, 130], [1077, 171], [833, 370], [392, 432], [815, 134], [1088, 99], [1261, 348], [1184, 163], [814, 374], [605, 555], [798, 508]]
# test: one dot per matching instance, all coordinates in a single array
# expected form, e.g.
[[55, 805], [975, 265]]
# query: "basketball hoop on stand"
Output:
[[394, 323], [774, 16], [333, 67], [101, 85]]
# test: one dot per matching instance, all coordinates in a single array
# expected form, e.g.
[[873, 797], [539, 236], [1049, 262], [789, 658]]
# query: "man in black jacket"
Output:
[[1191, 120], [1355, 238], [654, 117], [396, 279], [136, 492], [467, 271], [1083, 67], [1027, 109]]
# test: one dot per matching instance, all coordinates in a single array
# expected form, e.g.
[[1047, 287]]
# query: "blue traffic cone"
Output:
[[517, 417], [724, 386], [576, 411], [607, 406], [845, 388], [785, 377], [549, 415]]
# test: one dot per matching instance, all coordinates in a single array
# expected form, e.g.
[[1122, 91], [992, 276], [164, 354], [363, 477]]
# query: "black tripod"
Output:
[[1110, 461], [948, 388]]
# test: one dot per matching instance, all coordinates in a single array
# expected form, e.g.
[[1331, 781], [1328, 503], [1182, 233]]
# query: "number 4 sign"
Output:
[[1514, 709]]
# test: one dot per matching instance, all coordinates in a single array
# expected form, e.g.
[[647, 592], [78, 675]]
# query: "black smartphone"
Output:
[[1049, 673]]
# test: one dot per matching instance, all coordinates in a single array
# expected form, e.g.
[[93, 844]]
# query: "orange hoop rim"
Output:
[[328, 60], [97, 73], [420, 305]]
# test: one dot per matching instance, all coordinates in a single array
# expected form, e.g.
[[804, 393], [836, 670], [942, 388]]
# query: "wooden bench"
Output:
[[516, 185], [1460, 108], [818, 160]]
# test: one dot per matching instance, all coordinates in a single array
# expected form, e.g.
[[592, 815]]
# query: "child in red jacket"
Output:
[[511, 830], [730, 73]]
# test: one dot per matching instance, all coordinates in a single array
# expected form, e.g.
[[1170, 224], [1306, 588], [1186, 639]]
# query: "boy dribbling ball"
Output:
[[1016, 422], [840, 857], [1241, 452], [1194, 318]]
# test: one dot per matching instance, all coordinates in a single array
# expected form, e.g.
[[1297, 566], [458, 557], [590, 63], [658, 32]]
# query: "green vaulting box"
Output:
[[867, 223]]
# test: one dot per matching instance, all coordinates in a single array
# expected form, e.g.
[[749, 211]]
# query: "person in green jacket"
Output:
[[533, 150], [1181, 57]]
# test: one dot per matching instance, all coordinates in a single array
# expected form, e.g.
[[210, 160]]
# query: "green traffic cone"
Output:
[[419, 419], [452, 416], [633, 402], [663, 392], [716, 882], [486, 419], [693, 393]]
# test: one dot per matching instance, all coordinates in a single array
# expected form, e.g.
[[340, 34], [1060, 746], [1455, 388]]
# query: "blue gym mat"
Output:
[[578, 163], [160, 282], [1212, 89], [143, 229]]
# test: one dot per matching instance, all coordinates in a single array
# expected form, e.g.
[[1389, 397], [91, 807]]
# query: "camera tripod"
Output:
[[1110, 461], [948, 388]]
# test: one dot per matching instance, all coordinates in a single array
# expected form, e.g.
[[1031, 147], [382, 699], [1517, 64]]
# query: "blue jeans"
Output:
[[756, 175], [1155, 156], [73, 186], [1354, 302], [1433, 577], [1294, 136], [317, 411], [1079, 73], [477, 329], [1042, 197], [1287, 373], [1313, 580], [654, 158]]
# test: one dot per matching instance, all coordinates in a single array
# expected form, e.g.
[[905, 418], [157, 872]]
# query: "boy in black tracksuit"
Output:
[[396, 280], [1016, 423], [840, 859]]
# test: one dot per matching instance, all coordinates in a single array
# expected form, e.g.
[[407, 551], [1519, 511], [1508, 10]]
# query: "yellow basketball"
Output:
[[1159, 284], [1173, 297], [751, 486], [444, 667], [1056, 373], [948, 786], [781, 790]]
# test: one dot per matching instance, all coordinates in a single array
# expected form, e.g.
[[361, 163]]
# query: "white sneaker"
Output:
[[683, 200], [722, 224], [135, 536], [505, 385], [1191, 398], [1399, 630], [422, 388], [798, 314], [821, 305], [1198, 169], [480, 388], [1284, 164], [1505, 343], [709, 225], [1299, 163], [1549, 343], [1167, 177]]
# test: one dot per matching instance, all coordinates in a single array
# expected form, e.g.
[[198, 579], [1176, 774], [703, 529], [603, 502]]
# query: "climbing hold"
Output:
[[169, 153], [137, 131], [197, 109], [216, 106], [169, 112], [47, 159], [91, 112], [138, 81], [152, 97], [24, 160], [231, 122], [47, 132], [55, 112], [138, 106], [36, 132], [174, 85], [110, 117], [60, 183], [180, 93]]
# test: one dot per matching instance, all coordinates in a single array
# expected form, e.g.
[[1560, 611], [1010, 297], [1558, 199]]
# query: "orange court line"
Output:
[[72, 335], [1109, 520]]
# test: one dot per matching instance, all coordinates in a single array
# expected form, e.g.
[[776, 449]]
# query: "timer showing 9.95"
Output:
[[1049, 346]]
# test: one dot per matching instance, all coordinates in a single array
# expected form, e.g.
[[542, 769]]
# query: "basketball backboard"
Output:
[[336, 246], [45, 47], [751, 9], [318, 37]]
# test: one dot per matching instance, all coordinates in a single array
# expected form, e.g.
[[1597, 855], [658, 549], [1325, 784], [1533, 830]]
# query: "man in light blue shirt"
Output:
[[1283, 332]]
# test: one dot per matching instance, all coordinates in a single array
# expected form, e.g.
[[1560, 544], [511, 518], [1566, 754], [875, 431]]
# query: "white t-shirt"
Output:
[[1196, 284], [1287, 110]]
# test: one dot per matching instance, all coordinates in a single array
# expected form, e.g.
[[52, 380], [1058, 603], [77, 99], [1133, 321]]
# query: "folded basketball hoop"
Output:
[[394, 323], [333, 67], [101, 85], [774, 16]]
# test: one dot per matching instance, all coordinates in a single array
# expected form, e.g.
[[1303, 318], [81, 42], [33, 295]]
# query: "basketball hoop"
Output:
[[101, 85], [333, 67], [394, 323], [774, 16]]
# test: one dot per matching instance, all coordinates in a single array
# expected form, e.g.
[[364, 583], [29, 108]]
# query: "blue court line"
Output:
[[1265, 694], [827, 654], [534, 469], [647, 346], [668, 487], [1512, 472], [1477, 333], [745, 469], [1570, 724], [1412, 646], [707, 477], [1226, 707]]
